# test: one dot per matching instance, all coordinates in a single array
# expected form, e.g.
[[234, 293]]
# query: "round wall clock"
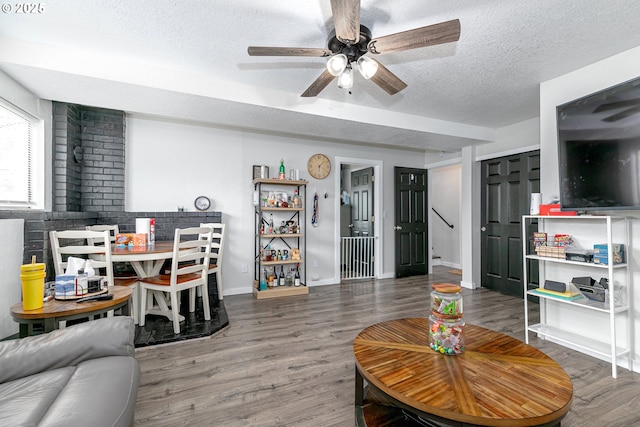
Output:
[[319, 166], [202, 203]]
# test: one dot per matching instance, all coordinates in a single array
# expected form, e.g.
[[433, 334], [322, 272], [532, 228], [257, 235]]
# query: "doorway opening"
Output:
[[359, 254]]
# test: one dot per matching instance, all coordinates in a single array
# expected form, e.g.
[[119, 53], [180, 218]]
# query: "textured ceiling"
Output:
[[188, 60]]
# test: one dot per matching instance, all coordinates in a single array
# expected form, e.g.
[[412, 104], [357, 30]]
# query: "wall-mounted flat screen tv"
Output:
[[599, 150]]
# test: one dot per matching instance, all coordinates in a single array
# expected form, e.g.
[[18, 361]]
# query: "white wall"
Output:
[[170, 163], [582, 82], [444, 190], [513, 139], [12, 244]]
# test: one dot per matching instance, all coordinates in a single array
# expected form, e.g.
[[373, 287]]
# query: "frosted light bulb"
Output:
[[345, 81], [336, 64], [367, 67]]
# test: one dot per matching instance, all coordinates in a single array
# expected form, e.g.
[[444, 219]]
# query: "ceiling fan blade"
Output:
[[430, 35], [287, 51], [318, 85], [346, 19], [615, 105], [387, 80], [623, 114]]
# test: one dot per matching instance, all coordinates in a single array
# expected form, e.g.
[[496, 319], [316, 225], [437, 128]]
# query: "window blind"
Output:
[[16, 158]]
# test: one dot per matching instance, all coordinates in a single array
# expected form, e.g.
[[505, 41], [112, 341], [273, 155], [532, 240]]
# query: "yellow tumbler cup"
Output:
[[32, 276]]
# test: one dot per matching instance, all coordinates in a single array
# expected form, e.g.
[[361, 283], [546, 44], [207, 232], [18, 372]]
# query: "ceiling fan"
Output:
[[349, 43]]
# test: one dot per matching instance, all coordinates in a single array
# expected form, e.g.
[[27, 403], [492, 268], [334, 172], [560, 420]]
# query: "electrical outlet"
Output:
[[245, 268]]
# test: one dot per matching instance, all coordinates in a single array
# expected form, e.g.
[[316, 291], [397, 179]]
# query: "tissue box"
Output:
[[601, 253], [131, 240], [70, 285]]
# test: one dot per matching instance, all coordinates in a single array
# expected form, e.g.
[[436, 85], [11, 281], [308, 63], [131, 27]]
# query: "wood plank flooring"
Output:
[[289, 362]]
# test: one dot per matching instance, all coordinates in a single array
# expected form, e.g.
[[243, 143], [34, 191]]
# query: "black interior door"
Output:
[[362, 202], [410, 221], [507, 184]]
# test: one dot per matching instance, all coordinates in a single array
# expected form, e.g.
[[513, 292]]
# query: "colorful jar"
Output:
[[446, 301], [446, 336]]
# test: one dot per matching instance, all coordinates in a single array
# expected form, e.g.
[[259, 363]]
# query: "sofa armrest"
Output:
[[111, 336]]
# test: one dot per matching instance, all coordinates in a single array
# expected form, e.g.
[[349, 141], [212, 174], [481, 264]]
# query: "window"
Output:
[[16, 158]]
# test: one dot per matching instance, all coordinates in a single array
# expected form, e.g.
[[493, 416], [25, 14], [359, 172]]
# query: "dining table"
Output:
[[147, 261]]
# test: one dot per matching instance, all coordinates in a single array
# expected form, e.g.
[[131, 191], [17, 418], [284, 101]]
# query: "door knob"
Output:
[[350, 225], [483, 228], [397, 227]]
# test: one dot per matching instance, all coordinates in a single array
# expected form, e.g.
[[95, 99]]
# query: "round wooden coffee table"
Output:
[[497, 381], [54, 311]]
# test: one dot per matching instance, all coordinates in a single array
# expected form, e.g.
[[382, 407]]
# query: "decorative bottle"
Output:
[[296, 199], [296, 278], [282, 173], [271, 280], [263, 279], [289, 278]]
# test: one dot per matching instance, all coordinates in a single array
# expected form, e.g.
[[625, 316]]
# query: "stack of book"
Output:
[[569, 294]]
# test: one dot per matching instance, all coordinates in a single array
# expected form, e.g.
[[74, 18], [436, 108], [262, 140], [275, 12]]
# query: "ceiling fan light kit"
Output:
[[351, 41]]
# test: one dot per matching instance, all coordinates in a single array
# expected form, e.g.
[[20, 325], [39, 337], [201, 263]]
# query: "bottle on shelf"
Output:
[[263, 279], [281, 281], [282, 174], [270, 223], [296, 277], [271, 278], [297, 202], [289, 279]]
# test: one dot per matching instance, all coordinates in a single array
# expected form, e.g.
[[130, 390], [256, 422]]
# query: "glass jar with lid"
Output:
[[446, 336], [446, 301]]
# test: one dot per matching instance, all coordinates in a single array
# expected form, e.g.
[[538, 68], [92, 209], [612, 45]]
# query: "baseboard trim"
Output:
[[468, 285]]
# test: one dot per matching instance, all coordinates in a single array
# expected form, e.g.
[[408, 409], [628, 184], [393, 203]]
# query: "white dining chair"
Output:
[[217, 248], [95, 245], [122, 272], [189, 265], [113, 230], [76, 243]]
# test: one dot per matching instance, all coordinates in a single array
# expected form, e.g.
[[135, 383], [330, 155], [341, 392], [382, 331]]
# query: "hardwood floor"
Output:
[[289, 362]]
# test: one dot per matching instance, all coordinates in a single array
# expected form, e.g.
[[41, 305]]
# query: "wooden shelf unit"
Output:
[[285, 241]]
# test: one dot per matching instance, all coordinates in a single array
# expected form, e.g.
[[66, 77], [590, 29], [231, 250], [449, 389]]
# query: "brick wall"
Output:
[[103, 160], [38, 224], [66, 171], [94, 183]]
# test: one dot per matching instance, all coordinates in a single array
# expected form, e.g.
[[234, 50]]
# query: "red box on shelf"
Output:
[[554, 210]]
